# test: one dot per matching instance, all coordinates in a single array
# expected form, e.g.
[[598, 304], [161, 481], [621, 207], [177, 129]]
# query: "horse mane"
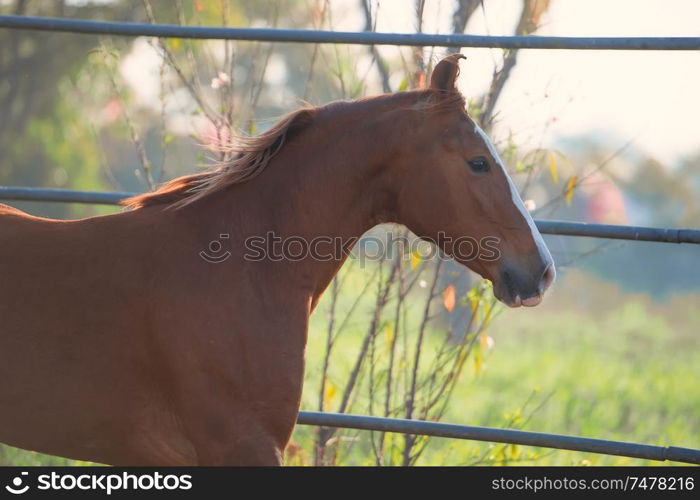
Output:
[[249, 155]]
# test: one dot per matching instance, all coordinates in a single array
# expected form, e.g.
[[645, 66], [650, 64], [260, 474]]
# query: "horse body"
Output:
[[97, 365], [121, 344], [137, 350]]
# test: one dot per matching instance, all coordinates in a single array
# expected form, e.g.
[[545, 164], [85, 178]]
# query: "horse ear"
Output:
[[445, 73]]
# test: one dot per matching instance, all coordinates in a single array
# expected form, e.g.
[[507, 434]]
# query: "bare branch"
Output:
[[463, 12], [376, 56], [529, 20], [192, 87], [146, 165], [551, 204], [411, 396], [321, 439]]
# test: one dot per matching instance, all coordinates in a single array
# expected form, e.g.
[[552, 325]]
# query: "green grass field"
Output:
[[604, 365], [597, 364]]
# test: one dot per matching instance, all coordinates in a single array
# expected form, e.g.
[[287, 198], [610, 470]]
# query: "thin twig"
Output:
[[410, 439], [376, 56], [195, 92], [146, 165]]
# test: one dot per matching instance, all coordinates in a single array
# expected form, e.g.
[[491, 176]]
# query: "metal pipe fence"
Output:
[[555, 227], [403, 426], [356, 38], [62, 195], [511, 436]]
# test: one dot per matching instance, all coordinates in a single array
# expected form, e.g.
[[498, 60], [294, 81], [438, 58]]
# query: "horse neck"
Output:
[[333, 181]]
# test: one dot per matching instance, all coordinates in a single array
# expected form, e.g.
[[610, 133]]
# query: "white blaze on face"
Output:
[[517, 201]]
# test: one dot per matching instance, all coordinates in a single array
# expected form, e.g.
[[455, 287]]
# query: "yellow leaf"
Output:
[[389, 334], [517, 416], [329, 394], [478, 361], [569, 190], [474, 304], [513, 451], [487, 314], [553, 168], [474, 298], [175, 42], [449, 298], [415, 259]]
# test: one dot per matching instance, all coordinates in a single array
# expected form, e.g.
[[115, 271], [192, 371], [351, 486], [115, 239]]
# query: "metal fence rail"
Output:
[[564, 228], [62, 195], [361, 38], [512, 436]]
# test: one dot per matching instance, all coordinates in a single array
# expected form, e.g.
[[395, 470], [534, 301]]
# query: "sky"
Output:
[[650, 97]]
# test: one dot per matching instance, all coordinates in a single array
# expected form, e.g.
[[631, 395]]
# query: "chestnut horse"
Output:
[[121, 344]]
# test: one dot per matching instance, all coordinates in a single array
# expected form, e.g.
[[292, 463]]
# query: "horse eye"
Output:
[[479, 164]]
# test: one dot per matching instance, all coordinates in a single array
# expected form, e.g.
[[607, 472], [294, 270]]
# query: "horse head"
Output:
[[455, 191]]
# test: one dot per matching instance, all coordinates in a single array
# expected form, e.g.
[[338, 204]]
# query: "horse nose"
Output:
[[520, 286], [547, 278]]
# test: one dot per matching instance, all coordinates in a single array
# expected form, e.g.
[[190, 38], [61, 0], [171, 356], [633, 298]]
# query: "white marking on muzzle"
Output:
[[517, 201]]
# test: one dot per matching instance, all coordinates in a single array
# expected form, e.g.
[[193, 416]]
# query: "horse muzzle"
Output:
[[524, 285]]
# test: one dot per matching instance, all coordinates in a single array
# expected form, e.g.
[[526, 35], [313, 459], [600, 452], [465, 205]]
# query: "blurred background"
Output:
[[595, 136]]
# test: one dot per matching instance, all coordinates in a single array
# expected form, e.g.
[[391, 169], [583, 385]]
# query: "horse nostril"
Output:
[[547, 278]]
